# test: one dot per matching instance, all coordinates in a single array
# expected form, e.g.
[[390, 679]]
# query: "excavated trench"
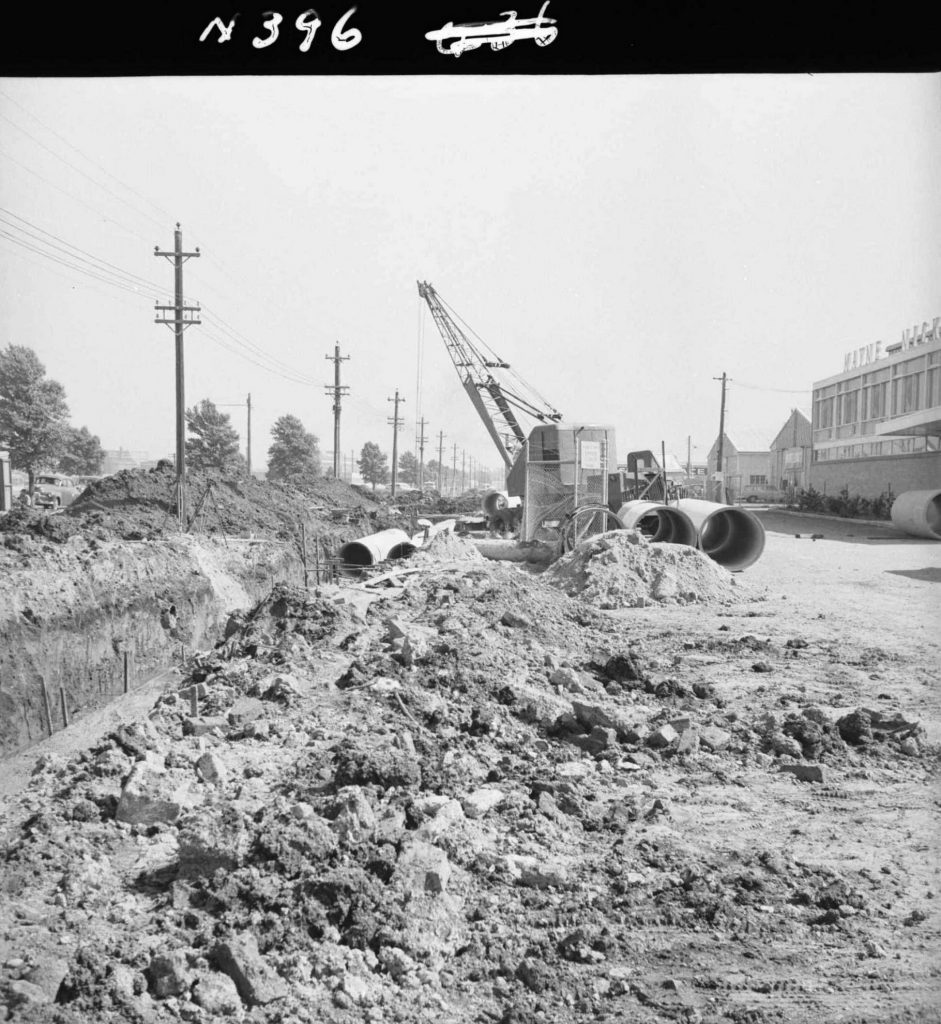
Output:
[[82, 622]]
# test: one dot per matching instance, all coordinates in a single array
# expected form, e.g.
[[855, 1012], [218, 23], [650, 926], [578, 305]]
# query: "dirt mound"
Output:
[[141, 504], [622, 569]]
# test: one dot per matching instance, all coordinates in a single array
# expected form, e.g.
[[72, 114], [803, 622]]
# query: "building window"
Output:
[[758, 480]]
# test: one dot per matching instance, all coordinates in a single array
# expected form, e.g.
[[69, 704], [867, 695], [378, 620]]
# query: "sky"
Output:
[[621, 241]]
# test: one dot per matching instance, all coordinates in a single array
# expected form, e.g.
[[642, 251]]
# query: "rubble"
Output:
[[565, 819]]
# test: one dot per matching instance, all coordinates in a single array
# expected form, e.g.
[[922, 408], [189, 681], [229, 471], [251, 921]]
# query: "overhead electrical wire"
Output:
[[132, 278], [78, 170], [237, 344], [75, 149]]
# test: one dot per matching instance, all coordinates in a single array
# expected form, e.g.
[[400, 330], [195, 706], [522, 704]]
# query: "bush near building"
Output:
[[842, 504]]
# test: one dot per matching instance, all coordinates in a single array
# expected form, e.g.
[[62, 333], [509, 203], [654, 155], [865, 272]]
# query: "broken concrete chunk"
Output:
[[47, 973], [26, 992], [533, 873], [204, 726], [662, 737], [169, 974], [568, 679], [256, 982], [211, 770], [216, 993], [515, 620], [688, 742], [478, 803], [422, 867], [713, 738], [151, 795], [804, 772], [443, 820]]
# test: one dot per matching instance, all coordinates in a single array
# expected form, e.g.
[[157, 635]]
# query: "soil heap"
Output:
[[141, 504], [622, 569]]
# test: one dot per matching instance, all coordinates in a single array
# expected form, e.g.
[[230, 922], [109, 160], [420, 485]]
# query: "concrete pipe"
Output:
[[357, 555], [731, 536], [496, 500], [659, 523], [918, 513]]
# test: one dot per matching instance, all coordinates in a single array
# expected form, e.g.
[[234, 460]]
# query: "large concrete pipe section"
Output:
[[357, 555], [660, 523], [494, 501], [731, 536], [918, 513]]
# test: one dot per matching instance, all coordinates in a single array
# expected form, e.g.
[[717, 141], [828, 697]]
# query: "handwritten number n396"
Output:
[[307, 23]]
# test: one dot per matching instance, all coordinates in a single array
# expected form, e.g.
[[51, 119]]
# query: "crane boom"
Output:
[[495, 401]]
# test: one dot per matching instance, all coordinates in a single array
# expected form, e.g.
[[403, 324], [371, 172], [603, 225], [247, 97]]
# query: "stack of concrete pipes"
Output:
[[731, 536]]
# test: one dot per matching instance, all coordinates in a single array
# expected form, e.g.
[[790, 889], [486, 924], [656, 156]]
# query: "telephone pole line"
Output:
[[421, 454], [395, 437], [721, 481], [463, 466], [179, 323], [338, 390]]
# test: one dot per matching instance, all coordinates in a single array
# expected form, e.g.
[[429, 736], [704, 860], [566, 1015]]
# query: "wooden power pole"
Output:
[[719, 453], [338, 391], [248, 437], [179, 323], [395, 437]]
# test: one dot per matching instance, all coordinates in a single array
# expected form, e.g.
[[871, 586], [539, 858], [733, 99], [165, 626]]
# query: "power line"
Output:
[[78, 170], [68, 195], [113, 267], [75, 148], [80, 269]]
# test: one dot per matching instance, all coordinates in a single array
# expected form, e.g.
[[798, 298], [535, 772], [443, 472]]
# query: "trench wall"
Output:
[[72, 620]]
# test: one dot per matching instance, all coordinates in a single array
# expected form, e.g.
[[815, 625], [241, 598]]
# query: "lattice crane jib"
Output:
[[497, 402]]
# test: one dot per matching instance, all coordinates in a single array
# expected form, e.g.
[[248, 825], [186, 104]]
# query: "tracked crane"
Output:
[[497, 401]]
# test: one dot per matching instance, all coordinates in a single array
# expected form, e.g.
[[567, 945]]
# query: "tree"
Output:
[[408, 468], [215, 444], [33, 412], [373, 464], [294, 451], [83, 454]]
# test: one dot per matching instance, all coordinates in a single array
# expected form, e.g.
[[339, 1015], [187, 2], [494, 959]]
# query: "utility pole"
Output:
[[453, 470], [440, 456], [719, 453], [248, 445], [421, 455], [463, 466], [339, 390], [179, 324], [352, 463], [395, 437], [689, 456]]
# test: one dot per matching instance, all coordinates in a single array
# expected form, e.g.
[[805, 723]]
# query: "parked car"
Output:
[[52, 491]]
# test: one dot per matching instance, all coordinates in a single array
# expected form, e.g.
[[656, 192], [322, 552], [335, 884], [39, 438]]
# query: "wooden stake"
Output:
[[126, 672], [65, 710], [317, 557], [194, 706], [304, 554], [45, 700]]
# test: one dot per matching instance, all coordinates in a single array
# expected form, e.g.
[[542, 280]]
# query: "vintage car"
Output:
[[52, 491]]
